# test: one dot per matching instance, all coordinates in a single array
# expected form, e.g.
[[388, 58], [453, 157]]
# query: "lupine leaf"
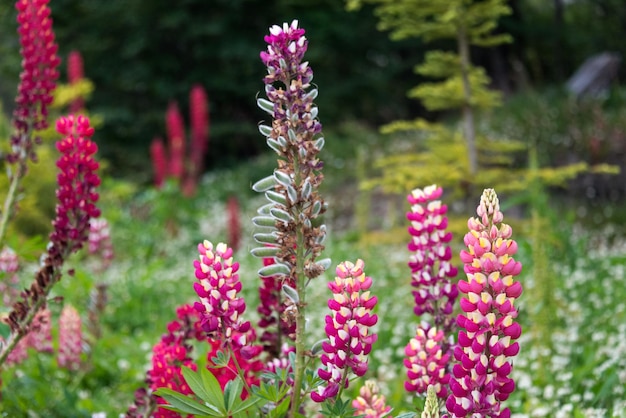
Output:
[[181, 403]]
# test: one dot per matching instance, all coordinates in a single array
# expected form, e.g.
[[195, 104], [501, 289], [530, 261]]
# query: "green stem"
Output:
[[25, 324], [9, 202], [240, 372], [300, 281]]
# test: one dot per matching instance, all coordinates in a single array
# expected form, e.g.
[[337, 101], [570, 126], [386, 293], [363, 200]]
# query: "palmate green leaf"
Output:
[[242, 407], [205, 386], [178, 402], [232, 392]]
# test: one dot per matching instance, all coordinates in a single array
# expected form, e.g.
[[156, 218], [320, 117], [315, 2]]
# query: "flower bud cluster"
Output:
[[487, 340], [218, 285], [370, 403], [294, 203], [348, 329]]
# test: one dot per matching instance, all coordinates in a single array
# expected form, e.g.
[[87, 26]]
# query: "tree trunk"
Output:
[[468, 112]]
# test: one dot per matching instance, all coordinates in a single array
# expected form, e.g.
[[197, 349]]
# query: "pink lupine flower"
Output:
[[70, 339], [99, 241], [427, 362], [77, 183], [370, 403], [217, 288], [9, 280], [75, 74], [348, 329], [38, 77], [430, 264], [199, 120], [158, 155], [486, 342], [176, 140], [39, 338]]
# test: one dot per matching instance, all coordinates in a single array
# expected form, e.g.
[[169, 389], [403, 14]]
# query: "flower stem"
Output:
[[300, 281], [9, 201]]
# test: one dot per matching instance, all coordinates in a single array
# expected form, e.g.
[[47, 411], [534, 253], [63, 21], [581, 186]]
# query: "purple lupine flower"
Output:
[[486, 342], [427, 362], [430, 264], [348, 329], [217, 288]]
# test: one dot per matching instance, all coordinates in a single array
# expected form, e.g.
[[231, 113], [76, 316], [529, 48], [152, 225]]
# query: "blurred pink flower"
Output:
[[70, 339]]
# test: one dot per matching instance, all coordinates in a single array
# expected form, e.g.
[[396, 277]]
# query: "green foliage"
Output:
[[216, 403], [440, 19]]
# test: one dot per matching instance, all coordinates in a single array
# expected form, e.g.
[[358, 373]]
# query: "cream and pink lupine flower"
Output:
[[487, 340], [431, 269], [370, 403], [70, 339], [348, 329], [427, 362], [218, 285]]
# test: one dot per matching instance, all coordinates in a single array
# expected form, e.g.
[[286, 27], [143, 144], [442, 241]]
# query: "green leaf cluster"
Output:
[[215, 403]]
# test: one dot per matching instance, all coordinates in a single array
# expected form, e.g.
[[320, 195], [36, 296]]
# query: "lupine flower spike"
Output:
[[348, 329], [430, 264], [370, 403], [77, 197], [218, 285], [487, 340], [427, 362], [70, 339]]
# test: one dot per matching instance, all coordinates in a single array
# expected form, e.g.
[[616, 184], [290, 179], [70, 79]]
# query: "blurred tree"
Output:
[[143, 54]]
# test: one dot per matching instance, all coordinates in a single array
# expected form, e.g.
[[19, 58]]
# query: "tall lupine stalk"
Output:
[[75, 73], [295, 236], [183, 161], [199, 121], [429, 352], [34, 94], [76, 193], [176, 141], [487, 340]]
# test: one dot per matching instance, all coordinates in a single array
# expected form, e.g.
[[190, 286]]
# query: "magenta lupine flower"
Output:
[[176, 139], [199, 121], [70, 339], [74, 75], [77, 183], [370, 403], [348, 329], [430, 265], [38, 77], [486, 342], [217, 288], [427, 362], [158, 156]]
